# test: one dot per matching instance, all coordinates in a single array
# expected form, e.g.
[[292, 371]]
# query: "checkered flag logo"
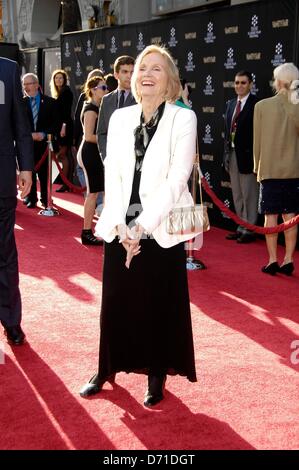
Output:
[[208, 129], [190, 56], [254, 20], [172, 32], [230, 53], [140, 37], [207, 177], [209, 80], [210, 27], [278, 48]]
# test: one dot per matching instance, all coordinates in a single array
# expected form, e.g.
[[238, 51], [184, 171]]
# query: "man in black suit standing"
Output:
[[119, 98], [15, 148], [238, 154], [43, 118]]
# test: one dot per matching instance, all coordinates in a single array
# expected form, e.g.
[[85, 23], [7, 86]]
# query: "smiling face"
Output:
[[152, 77], [59, 80], [242, 85]]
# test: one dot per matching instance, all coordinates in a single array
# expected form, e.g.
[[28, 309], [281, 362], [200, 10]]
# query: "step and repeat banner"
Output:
[[210, 47]]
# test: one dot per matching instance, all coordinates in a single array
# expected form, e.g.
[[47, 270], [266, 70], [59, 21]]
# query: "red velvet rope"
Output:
[[72, 186], [264, 230], [41, 161]]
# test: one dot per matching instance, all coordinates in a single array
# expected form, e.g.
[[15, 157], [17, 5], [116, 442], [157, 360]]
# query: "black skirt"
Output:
[[145, 315], [279, 196]]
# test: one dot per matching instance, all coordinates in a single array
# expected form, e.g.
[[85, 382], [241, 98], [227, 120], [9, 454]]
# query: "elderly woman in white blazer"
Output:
[[276, 162], [145, 316]]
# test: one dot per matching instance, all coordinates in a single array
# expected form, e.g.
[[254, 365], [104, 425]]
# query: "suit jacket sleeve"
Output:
[[256, 137], [22, 133]]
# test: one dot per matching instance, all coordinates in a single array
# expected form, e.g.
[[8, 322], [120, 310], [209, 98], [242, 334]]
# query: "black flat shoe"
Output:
[[62, 189], [272, 268], [287, 269], [15, 335], [88, 238], [154, 393], [95, 385]]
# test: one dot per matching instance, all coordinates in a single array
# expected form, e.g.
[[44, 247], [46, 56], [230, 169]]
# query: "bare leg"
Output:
[[271, 239], [290, 236], [89, 209]]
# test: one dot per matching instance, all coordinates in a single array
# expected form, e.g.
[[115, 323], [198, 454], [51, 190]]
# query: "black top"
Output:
[[88, 106]]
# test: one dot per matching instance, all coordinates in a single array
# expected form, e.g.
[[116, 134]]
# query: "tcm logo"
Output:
[[88, 48], [78, 70], [209, 90], [230, 63], [278, 57], [172, 41], [190, 67], [254, 32], [208, 139], [113, 47], [140, 45], [210, 37], [295, 354], [67, 52]]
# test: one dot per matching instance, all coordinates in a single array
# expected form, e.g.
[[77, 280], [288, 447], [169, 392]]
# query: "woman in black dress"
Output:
[[88, 154], [64, 96], [145, 317]]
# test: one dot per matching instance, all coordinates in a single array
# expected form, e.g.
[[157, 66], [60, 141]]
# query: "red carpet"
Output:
[[244, 323]]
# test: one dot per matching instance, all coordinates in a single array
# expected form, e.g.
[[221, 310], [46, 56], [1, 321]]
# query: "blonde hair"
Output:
[[55, 92], [174, 88]]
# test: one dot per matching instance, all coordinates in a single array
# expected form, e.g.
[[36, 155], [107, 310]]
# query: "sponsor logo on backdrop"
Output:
[[101, 65], [280, 23], [210, 36], [140, 45], [172, 41], [254, 32], [100, 46], [230, 63], [208, 109], [127, 43], [88, 48], [227, 204], [254, 56], [226, 184], [208, 139], [67, 52], [254, 89], [208, 178], [209, 60], [191, 35], [78, 69], [190, 67], [209, 90], [113, 48], [77, 49], [231, 30], [228, 84], [156, 40], [278, 57], [207, 157]]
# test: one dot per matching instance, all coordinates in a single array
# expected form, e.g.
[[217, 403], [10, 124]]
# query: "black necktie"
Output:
[[121, 99]]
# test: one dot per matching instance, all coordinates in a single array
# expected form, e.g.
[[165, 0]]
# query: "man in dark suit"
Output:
[[43, 118], [122, 96], [15, 148], [238, 154]]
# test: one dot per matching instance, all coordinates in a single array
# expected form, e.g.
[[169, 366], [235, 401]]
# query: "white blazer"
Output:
[[167, 166]]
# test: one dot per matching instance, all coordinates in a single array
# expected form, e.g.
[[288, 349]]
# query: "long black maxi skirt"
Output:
[[145, 316]]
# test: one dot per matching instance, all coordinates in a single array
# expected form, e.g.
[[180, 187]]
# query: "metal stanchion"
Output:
[[193, 264], [50, 211]]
